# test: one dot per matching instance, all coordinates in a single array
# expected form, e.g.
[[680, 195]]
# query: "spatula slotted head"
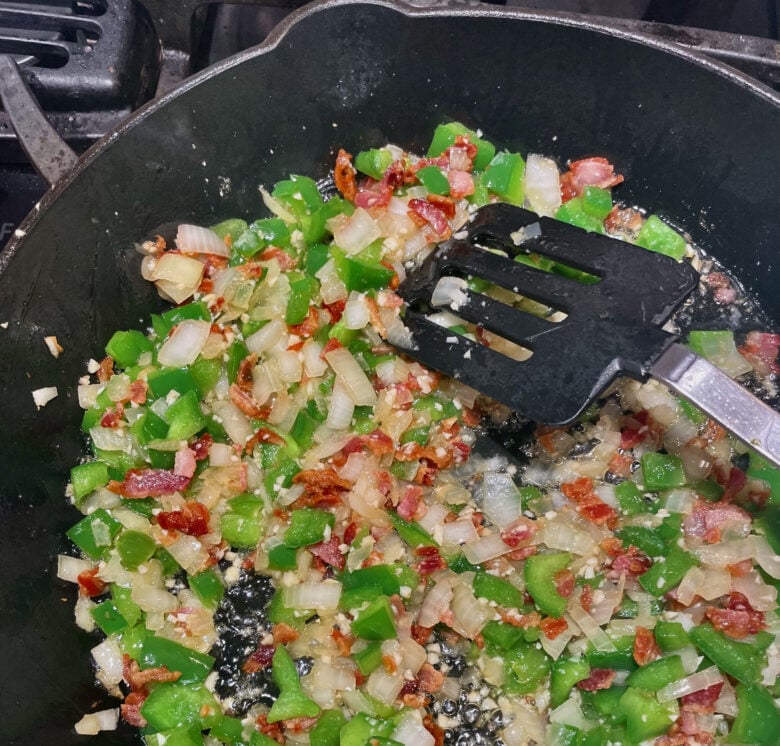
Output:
[[612, 317]]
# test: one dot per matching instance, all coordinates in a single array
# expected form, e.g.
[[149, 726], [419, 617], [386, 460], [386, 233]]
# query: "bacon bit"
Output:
[[564, 583], [319, 480], [263, 435], [246, 403], [433, 729], [461, 183], [343, 642], [284, 633], [192, 519], [524, 621], [138, 391], [140, 483], [588, 504], [138, 679], [713, 432], [299, 725], [625, 221], [344, 175], [588, 172], [131, 709], [429, 560], [410, 502], [412, 699], [431, 214], [260, 659], [244, 378], [330, 345], [89, 584], [113, 416], [388, 661], [620, 465], [252, 270], [740, 569], [645, 647], [552, 627], [429, 678], [704, 700], [444, 203], [586, 598], [518, 555], [421, 634], [736, 480], [706, 519], [272, 730], [416, 452], [184, 463], [631, 562], [285, 261], [308, 326], [202, 446], [328, 552], [761, 351], [350, 533], [631, 437], [600, 678], [105, 370], [739, 619], [378, 442], [519, 532]]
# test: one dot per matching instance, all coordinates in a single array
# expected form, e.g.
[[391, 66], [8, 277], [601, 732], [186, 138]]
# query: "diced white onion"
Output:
[[410, 731], [352, 376], [111, 439], [450, 292], [413, 655], [290, 368], [766, 557], [690, 684], [559, 535], [151, 598], [118, 387], [88, 394], [234, 421], [385, 686], [727, 701], [485, 548], [397, 332], [82, 612], [220, 454], [193, 239], [761, 596], [498, 497], [69, 568], [589, 628], [569, 713], [435, 603], [341, 407], [265, 337], [690, 658], [434, 517], [108, 658], [470, 614], [458, 532], [356, 314], [679, 501], [95, 722], [313, 364], [44, 395], [709, 584], [183, 346], [188, 552], [728, 552], [177, 275], [542, 184], [319, 596], [355, 233]]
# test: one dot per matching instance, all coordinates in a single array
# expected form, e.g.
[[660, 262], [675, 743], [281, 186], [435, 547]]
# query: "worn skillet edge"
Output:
[[278, 34]]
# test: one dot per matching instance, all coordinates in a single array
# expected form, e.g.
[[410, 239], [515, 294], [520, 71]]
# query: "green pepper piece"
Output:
[[655, 235], [283, 557], [292, 702], [176, 737], [356, 597], [631, 499], [540, 572], [692, 412], [505, 176], [622, 660], [177, 705], [369, 658], [437, 407], [125, 605], [208, 587], [573, 213], [232, 227], [644, 538], [299, 193], [272, 231], [606, 702], [88, 477], [737, 659], [315, 227], [446, 134], [497, 589], [500, 637], [363, 729], [246, 245], [416, 435], [158, 651], [308, 526], [565, 673], [389, 578], [708, 490], [239, 530], [326, 731], [108, 617], [164, 322], [657, 674], [527, 666], [302, 288], [184, 417], [126, 347], [413, 534], [670, 636], [758, 718], [376, 621], [434, 180], [316, 258], [134, 548], [663, 576], [148, 427], [235, 356], [597, 201], [91, 419], [206, 373], [95, 533], [359, 274], [165, 380], [645, 716], [373, 162], [662, 471], [759, 468]]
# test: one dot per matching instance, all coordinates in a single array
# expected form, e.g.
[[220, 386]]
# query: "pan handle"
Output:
[[48, 152]]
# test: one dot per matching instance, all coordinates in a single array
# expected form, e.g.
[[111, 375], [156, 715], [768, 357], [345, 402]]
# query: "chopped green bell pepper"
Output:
[[291, 702], [665, 575], [670, 636], [373, 162], [540, 572], [526, 666], [738, 659], [657, 674], [505, 176], [88, 477], [434, 180], [164, 322], [596, 201], [165, 380], [389, 578], [657, 236], [239, 530], [308, 526], [497, 589], [95, 533], [413, 534], [758, 718], [369, 658], [158, 651], [108, 617], [327, 729], [126, 347], [176, 705], [573, 213], [208, 587], [134, 548], [662, 471], [646, 717], [566, 672], [376, 621], [445, 135]]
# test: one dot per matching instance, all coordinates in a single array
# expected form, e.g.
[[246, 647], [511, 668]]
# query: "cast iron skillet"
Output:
[[697, 142]]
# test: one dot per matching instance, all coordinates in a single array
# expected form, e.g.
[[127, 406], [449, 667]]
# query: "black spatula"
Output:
[[615, 297]]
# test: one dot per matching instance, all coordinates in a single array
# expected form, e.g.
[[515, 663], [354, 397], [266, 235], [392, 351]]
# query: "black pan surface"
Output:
[[697, 142]]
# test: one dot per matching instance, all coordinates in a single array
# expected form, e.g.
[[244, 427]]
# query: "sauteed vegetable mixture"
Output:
[[288, 539]]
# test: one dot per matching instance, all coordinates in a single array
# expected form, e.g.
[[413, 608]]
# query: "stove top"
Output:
[[91, 63]]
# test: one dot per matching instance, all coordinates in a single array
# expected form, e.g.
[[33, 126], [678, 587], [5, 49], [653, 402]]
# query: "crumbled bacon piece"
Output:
[[272, 730], [430, 679], [761, 351], [89, 584], [259, 659], [430, 725], [330, 345], [631, 562], [706, 520], [461, 183], [192, 519], [246, 403], [140, 483], [704, 700], [645, 647], [588, 172], [131, 709], [244, 379], [202, 446], [518, 533], [588, 504], [320, 480], [329, 553], [421, 634], [138, 391], [624, 221], [286, 261], [410, 502], [184, 464], [343, 642], [105, 370], [113, 416], [138, 679], [444, 203], [308, 326], [552, 627], [428, 560], [564, 583], [344, 175], [739, 619], [586, 597], [299, 725], [284, 633], [424, 212], [600, 678], [263, 435]]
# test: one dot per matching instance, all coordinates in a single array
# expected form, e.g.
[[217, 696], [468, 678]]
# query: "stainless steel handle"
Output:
[[722, 398]]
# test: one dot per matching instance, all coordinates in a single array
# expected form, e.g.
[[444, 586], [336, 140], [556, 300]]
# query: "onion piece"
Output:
[[458, 532], [88, 394], [498, 497], [220, 454], [193, 239], [178, 276], [485, 548], [450, 292], [385, 686], [762, 597], [730, 552], [265, 337], [354, 233], [183, 346], [435, 603], [111, 439], [341, 407], [96, 722], [234, 421], [470, 614], [313, 364], [151, 598], [108, 658], [353, 377], [694, 683], [766, 557], [69, 568], [589, 628], [356, 314], [542, 184], [319, 596], [410, 731], [558, 534]]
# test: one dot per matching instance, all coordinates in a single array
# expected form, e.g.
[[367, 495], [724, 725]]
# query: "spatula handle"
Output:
[[722, 398]]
